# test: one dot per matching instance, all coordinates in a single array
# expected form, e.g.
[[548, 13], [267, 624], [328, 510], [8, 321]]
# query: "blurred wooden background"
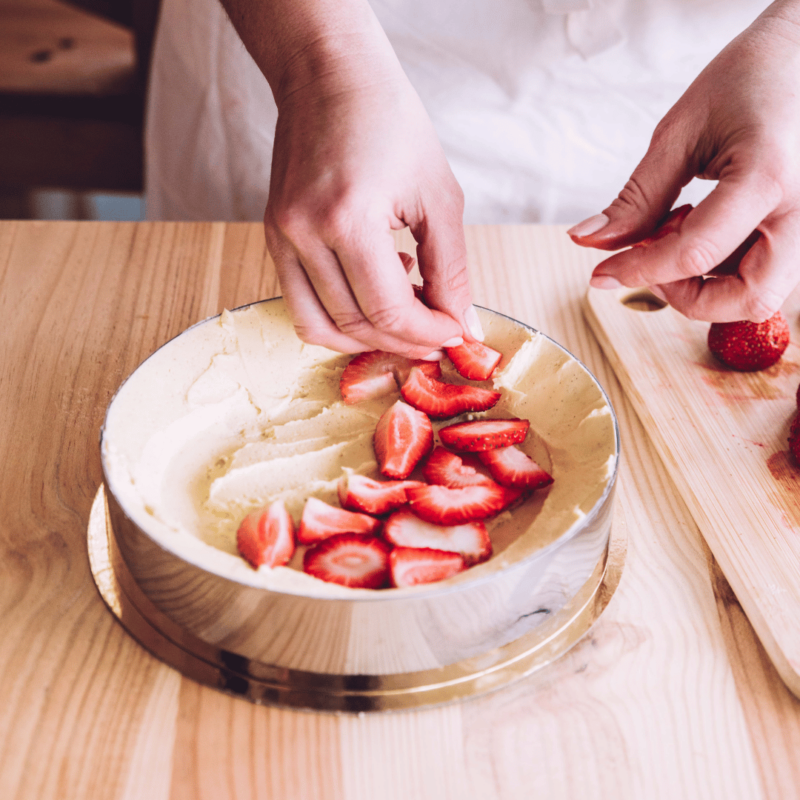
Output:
[[72, 88]]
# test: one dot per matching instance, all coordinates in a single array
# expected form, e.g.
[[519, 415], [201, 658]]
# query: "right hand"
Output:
[[356, 157]]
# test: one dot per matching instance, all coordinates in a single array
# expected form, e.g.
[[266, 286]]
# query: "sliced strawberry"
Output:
[[474, 360], [671, 224], [267, 536], [511, 467], [484, 434], [321, 520], [360, 493], [440, 400], [447, 469], [402, 437], [411, 566], [794, 439], [361, 562], [470, 540], [445, 506], [376, 373]]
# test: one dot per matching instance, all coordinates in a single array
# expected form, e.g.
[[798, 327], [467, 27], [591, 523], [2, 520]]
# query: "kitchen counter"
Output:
[[670, 695]]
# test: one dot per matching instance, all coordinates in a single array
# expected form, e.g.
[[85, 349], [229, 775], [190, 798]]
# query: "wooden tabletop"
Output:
[[669, 696]]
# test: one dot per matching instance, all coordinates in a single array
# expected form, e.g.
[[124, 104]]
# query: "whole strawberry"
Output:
[[749, 346]]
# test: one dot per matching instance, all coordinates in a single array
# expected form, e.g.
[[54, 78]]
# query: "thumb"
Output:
[[644, 201], [442, 254]]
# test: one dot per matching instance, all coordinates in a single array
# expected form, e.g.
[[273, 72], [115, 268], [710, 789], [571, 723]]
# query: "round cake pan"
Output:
[[357, 650]]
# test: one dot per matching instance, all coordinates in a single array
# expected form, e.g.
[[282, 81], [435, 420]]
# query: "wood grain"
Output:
[[722, 436], [662, 700]]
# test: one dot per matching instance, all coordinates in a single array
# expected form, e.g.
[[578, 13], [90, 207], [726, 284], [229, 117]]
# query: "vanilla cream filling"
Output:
[[237, 412]]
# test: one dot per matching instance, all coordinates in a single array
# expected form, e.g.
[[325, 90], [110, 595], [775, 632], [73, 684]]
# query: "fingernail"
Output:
[[454, 342], [474, 324], [434, 355], [589, 226], [604, 282], [658, 292]]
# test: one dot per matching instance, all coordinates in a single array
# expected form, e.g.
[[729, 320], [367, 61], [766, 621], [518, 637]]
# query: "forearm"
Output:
[[298, 42]]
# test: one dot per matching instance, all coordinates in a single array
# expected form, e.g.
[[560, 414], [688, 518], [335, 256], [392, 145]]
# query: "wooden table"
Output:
[[670, 695]]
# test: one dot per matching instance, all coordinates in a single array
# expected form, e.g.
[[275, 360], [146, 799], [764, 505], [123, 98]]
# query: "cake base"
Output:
[[260, 683]]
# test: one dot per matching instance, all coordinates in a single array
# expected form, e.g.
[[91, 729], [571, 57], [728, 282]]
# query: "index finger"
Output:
[[384, 294], [709, 234]]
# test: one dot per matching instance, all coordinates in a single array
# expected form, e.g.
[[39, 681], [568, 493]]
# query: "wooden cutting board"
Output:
[[723, 438]]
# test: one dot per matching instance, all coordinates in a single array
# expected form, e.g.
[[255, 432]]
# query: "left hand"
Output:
[[738, 124]]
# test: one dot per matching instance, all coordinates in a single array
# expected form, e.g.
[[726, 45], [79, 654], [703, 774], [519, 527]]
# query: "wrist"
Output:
[[334, 63]]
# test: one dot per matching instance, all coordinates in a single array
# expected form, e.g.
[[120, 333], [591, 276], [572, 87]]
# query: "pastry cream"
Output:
[[237, 411]]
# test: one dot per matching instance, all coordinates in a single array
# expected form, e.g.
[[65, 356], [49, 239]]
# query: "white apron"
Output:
[[543, 107]]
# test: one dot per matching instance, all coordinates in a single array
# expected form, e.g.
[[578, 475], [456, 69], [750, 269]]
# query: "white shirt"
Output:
[[543, 107]]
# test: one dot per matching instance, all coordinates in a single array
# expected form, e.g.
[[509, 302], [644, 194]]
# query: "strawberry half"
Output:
[[440, 400], [511, 467], [377, 373], [266, 537], [671, 224], [474, 360], [470, 540], [402, 437], [411, 566], [360, 562], [321, 521], [749, 346], [360, 493], [484, 434], [447, 469], [445, 506]]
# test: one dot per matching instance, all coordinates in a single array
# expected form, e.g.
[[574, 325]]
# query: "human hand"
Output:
[[356, 157], [739, 124]]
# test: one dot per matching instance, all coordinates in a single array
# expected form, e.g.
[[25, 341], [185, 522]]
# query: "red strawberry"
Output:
[[376, 373], [267, 536], [320, 521], [360, 493], [474, 360], [511, 467], [361, 562], [749, 346], [794, 439], [440, 400], [485, 434], [471, 541], [445, 506], [411, 566], [671, 224], [402, 437], [447, 469]]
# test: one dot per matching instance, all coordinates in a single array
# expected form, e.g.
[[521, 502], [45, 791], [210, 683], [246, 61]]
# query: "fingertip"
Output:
[[588, 227], [605, 282], [473, 323]]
